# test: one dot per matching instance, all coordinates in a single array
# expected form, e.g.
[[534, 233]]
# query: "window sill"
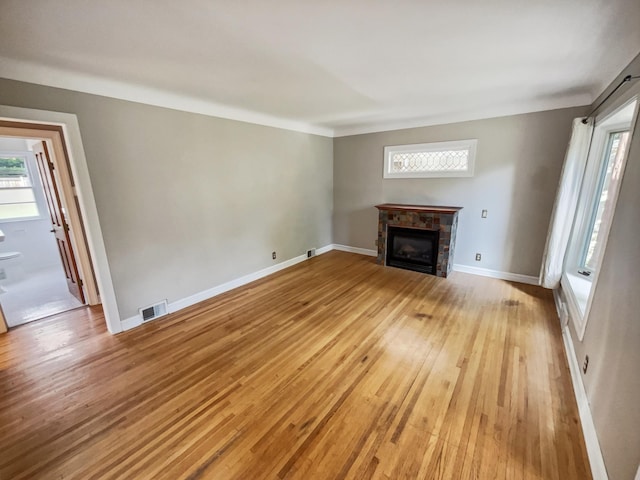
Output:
[[577, 289], [23, 219]]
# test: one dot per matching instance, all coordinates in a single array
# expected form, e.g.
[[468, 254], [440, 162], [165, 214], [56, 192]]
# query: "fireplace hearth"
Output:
[[417, 237]]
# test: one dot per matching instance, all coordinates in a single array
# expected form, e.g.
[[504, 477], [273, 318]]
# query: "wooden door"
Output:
[[3, 322], [59, 222]]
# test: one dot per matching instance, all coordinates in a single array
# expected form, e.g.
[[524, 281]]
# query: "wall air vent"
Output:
[[311, 253], [154, 311]]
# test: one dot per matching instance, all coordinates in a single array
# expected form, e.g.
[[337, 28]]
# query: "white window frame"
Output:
[[470, 145], [36, 186], [579, 288]]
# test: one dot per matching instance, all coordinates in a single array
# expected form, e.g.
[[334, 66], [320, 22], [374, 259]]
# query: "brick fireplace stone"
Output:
[[423, 217]]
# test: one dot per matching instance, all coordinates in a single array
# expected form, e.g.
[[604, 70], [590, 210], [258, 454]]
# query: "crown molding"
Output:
[[59, 78], [54, 77], [582, 100]]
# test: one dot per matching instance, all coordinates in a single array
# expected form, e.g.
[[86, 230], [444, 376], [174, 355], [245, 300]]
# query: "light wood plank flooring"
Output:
[[334, 368]]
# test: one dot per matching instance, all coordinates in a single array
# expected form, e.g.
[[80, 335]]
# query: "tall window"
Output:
[[17, 196], [596, 208], [608, 179]]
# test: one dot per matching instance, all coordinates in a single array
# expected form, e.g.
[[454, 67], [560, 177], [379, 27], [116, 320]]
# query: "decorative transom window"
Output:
[[424, 160]]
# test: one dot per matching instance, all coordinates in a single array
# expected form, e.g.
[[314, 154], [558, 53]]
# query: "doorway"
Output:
[[38, 268], [62, 131]]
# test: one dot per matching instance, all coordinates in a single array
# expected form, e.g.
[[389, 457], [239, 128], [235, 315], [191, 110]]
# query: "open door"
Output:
[[59, 222], [3, 322]]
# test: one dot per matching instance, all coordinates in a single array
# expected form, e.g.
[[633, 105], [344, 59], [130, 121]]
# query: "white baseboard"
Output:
[[561, 307], [485, 272], [514, 277], [136, 320], [321, 250], [598, 469], [131, 322], [358, 250]]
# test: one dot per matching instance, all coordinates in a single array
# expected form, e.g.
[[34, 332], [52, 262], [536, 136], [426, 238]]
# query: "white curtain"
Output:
[[566, 201]]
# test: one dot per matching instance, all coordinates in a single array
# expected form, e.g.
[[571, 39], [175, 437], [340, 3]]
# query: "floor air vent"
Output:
[[154, 311]]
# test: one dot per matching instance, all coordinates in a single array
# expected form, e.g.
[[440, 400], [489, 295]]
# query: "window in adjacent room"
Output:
[[425, 160], [17, 194]]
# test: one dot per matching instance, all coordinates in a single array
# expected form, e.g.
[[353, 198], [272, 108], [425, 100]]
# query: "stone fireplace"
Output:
[[417, 237]]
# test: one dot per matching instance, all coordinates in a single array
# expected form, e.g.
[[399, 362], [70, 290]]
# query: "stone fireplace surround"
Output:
[[423, 217]]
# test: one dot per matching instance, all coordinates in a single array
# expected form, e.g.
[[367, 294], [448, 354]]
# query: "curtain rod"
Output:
[[626, 79]]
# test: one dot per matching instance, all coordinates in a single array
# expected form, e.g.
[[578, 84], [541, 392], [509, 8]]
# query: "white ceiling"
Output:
[[333, 67]]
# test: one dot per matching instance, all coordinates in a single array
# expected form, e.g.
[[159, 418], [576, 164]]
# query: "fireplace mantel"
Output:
[[424, 217], [418, 208]]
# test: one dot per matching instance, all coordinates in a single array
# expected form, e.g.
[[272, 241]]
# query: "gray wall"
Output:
[[612, 336], [516, 176], [187, 202]]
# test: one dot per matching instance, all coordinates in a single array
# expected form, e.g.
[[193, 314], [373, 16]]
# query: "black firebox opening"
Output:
[[412, 249]]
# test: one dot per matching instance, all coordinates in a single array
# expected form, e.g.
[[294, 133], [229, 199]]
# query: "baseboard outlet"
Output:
[[598, 469], [485, 272], [136, 320], [358, 250]]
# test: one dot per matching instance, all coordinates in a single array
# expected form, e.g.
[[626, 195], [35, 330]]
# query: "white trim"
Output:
[[173, 307], [325, 249], [568, 101], [561, 307], [55, 77], [468, 145], [575, 307], [59, 78], [131, 322], [485, 272], [89, 212], [358, 250], [598, 468], [606, 123]]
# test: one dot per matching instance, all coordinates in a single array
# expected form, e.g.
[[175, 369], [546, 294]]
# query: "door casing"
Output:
[[54, 138], [62, 133]]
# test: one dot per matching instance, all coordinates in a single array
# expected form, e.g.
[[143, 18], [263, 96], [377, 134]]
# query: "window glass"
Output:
[[17, 199], [439, 159], [612, 166]]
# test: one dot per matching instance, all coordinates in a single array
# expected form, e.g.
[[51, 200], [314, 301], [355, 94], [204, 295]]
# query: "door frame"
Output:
[[62, 132]]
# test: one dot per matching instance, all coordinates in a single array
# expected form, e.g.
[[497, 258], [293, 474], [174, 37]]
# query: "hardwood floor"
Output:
[[334, 368]]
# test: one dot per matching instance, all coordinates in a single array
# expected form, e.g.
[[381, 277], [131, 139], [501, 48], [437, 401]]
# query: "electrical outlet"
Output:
[[484, 214], [273, 255], [478, 257], [585, 365]]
